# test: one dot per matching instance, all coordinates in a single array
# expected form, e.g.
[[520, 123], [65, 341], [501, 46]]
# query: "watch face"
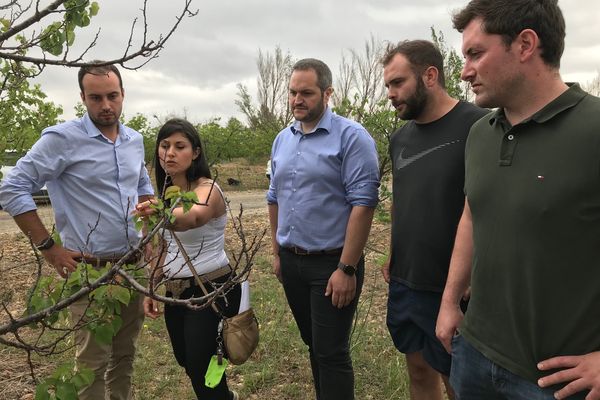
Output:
[[349, 269]]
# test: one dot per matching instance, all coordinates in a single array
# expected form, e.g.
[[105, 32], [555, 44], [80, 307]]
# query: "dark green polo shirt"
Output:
[[534, 193]]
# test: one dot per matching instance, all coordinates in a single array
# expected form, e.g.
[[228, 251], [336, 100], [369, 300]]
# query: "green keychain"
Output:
[[215, 371], [218, 363]]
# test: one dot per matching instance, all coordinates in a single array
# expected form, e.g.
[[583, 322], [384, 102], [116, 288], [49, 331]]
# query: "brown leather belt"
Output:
[[303, 252], [177, 285], [100, 262]]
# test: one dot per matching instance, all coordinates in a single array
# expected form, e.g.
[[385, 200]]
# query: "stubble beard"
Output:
[[415, 104]]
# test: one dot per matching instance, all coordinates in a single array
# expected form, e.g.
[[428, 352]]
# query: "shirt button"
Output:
[[511, 137], [293, 190], [293, 227], [298, 153], [293, 209]]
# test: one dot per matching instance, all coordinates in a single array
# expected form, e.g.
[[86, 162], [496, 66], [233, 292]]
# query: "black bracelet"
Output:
[[46, 244]]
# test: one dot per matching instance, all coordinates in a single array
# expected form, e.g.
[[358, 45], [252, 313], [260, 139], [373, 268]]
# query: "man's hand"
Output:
[[580, 372], [385, 271], [449, 318], [341, 287], [144, 209], [277, 267], [63, 260], [151, 308]]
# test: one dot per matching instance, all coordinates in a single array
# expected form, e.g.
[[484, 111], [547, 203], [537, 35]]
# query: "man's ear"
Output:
[[527, 43], [430, 76], [327, 94], [82, 96]]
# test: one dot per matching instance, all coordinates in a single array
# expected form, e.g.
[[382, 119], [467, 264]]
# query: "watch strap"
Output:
[[45, 244]]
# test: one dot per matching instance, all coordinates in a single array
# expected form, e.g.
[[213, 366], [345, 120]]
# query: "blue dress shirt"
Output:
[[92, 182], [318, 177]]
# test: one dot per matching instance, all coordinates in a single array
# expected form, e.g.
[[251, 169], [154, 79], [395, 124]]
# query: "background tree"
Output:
[[593, 87], [24, 112], [453, 65], [37, 34]]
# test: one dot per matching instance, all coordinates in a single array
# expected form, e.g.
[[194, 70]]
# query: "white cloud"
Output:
[[210, 53]]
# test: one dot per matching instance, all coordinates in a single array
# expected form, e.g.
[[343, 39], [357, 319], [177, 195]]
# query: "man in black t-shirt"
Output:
[[427, 156]]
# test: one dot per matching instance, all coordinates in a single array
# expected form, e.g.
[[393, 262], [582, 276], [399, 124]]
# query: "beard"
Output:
[[415, 103], [312, 114], [105, 120]]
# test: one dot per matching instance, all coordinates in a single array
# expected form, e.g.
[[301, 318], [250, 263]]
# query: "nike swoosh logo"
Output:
[[402, 162]]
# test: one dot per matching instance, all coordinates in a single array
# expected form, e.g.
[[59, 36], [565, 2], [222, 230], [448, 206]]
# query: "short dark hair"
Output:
[[199, 167], [421, 54], [508, 18], [324, 79], [98, 70]]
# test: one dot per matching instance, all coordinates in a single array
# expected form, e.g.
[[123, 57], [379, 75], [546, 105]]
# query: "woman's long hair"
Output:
[[199, 167]]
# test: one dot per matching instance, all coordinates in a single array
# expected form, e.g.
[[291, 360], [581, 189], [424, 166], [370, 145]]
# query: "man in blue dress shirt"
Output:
[[95, 174], [323, 191]]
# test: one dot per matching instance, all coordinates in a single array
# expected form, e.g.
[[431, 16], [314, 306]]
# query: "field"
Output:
[[279, 369]]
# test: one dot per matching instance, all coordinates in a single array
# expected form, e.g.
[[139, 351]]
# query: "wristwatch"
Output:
[[45, 244], [347, 268]]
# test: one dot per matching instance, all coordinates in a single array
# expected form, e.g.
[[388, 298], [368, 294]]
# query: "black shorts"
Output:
[[411, 319]]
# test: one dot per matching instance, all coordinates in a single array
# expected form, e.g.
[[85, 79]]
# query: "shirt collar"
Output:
[[92, 131], [568, 99], [323, 125]]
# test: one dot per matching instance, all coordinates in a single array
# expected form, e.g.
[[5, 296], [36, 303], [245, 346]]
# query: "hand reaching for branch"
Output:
[[578, 372], [144, 209]]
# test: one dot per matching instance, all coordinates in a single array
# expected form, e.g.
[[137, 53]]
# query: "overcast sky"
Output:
[[211, 53]]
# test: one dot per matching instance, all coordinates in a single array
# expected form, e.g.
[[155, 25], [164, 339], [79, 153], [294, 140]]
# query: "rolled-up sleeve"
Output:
[[42, 163], [360, 169]]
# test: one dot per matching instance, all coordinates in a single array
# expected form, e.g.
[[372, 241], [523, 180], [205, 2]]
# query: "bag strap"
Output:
[[187, 257], [194, 272]]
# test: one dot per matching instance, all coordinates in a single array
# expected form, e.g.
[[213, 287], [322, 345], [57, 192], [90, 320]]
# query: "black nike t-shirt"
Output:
[[428, 198]]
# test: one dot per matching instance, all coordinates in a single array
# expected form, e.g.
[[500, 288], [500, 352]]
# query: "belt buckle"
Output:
[[300, 251]]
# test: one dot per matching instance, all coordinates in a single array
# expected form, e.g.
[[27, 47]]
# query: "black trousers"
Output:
[[193, 337], [324, 328]]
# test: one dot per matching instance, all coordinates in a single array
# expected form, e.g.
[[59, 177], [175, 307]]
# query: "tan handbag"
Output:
[[240, 336]]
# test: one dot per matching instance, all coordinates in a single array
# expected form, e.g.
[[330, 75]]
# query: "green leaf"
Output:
[[41, 392], [83, 377], [120, 293], [99, 293], [104, 334], [139, 224], [94, 8], [5, 24], [172, 192], [117, 322], [66, 391]]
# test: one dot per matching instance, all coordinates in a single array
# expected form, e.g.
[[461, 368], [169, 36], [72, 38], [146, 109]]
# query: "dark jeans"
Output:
[[324, 328], [193, 336], [474, 377]]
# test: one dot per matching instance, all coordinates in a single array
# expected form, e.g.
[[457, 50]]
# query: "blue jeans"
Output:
[[474, 377], [324, 328]]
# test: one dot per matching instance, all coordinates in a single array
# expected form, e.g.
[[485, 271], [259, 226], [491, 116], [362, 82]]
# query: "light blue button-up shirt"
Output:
[[92, 182], [318, 177]]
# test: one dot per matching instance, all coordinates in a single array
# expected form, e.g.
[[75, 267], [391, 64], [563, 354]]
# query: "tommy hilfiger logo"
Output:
[[402, 162]]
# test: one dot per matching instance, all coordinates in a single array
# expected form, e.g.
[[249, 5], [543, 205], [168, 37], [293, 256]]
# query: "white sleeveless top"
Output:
[[205, 246]]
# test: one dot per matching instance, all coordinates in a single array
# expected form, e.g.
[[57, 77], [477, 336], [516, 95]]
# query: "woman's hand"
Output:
[[151, 308]]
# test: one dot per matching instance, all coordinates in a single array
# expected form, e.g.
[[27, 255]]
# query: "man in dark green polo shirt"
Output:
[[529, 238]]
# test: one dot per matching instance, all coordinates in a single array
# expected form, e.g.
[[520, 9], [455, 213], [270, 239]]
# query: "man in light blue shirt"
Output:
[[323, 191], [95, 174]]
